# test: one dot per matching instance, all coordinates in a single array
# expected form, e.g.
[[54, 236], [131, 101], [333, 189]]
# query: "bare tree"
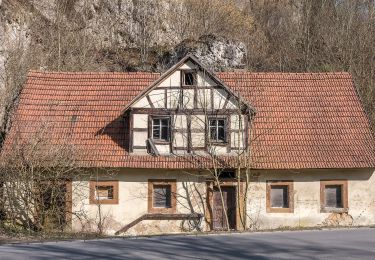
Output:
[[36, 178], [40, 175]]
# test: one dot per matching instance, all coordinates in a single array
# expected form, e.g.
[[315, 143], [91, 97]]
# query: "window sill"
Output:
[[161, 141], [104, 202], [334, 210], [218, 143], [162, 210], [280, 210]]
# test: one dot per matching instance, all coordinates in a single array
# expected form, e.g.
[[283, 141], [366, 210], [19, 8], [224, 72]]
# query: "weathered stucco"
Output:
[[133, 201], [191, 197], [361, 203]]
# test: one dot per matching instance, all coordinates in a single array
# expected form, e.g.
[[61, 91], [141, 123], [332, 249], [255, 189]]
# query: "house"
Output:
[[178, 142]]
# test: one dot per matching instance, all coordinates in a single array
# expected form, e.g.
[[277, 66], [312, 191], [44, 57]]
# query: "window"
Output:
[[217, 130], [104, 192], [189, 78], [279, 196], [160, 129], [333, 195], [161, 197]]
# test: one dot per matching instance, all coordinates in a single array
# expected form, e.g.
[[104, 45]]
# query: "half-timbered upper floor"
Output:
[[188, 110]]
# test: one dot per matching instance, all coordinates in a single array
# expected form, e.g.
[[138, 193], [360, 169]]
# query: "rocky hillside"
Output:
[[124, 35]]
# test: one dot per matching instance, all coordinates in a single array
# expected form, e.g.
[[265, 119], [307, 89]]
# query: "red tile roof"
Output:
[[304, 120]]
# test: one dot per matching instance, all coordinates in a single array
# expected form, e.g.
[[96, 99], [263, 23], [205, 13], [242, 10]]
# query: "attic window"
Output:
[[189, 78]]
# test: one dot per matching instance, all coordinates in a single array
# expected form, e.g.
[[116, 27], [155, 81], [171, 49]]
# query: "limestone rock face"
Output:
[[217, 53]]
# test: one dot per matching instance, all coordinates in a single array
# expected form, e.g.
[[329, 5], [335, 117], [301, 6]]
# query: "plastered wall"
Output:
[[133, 201], [307, 210], [191, 190]]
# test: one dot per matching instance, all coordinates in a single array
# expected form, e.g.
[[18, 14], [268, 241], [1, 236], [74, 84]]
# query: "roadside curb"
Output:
[[191, 234]]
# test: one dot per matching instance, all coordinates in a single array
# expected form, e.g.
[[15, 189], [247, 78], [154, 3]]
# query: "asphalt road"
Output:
[[339, 244]]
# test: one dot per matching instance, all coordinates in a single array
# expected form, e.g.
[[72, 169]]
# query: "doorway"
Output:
[[218, 209], [53, 208]]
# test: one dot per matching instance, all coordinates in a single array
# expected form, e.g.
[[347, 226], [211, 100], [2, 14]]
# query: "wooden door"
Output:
[[218, 211]]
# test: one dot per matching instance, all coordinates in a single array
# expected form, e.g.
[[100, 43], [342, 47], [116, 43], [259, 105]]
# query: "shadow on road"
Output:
[[288, 245]]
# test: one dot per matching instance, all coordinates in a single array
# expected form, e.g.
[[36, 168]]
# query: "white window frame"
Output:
[[160, 139], [217, 140]]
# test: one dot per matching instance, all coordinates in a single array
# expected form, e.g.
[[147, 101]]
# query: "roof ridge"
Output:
[[216, 72], [92, 72], [284, 73]]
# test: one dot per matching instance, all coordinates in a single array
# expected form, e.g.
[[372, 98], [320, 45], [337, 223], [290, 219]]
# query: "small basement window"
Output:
[[217, 130], [279, 196], [161, 129], [104, 192], [162, 196], [189, 78], [334, 195]]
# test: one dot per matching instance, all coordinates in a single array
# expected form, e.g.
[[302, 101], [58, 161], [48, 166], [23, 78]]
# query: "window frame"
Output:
[[275, 183], [151, 183], [344, 196], [226, 130], [151, 129], [195, 79], [94, 184]]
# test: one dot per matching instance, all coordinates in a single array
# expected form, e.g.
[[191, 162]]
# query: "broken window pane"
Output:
[[333, 196], [279, 196], [162, 196], [104, 192]]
